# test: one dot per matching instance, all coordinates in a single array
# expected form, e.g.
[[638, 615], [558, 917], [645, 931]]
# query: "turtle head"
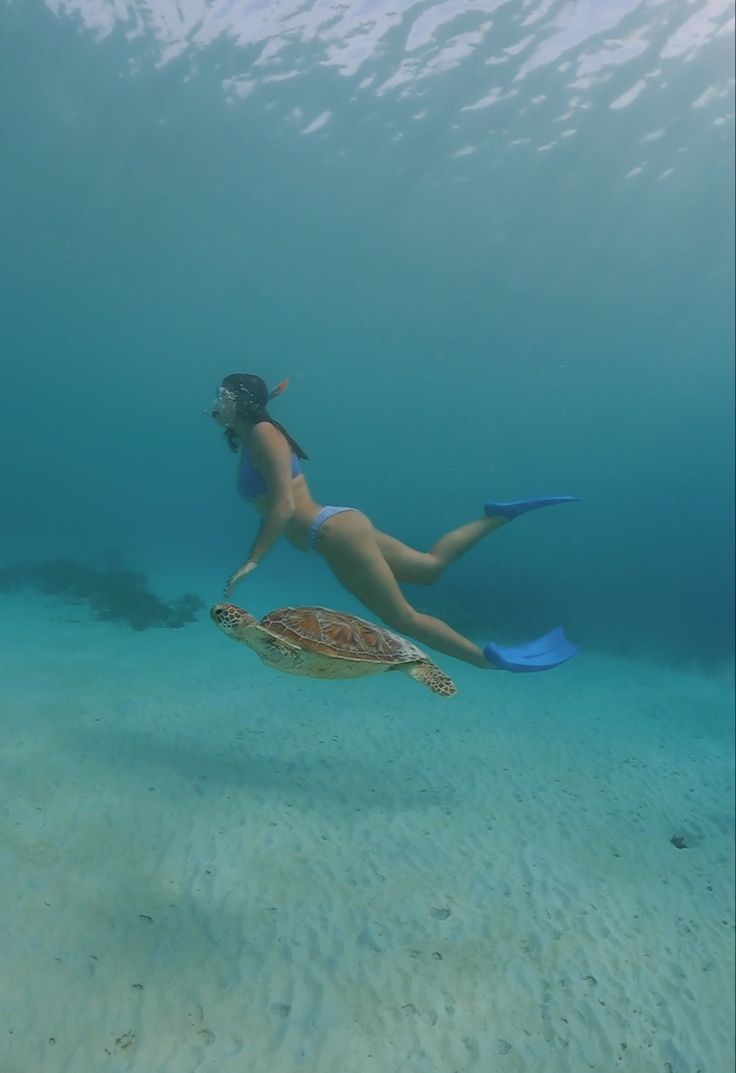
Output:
[[232, 620]]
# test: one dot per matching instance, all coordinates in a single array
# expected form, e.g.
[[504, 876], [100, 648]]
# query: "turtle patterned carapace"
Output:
[[320, 643]]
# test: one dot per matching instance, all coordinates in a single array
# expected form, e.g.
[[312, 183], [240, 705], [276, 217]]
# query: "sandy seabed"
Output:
[[207, 866]]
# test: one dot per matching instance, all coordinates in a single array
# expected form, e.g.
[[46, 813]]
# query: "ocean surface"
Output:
[[490, 245]]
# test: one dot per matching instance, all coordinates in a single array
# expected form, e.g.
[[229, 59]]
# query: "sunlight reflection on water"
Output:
[[527, 73]]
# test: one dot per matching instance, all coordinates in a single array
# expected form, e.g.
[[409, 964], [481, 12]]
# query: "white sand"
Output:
[[208, 866]]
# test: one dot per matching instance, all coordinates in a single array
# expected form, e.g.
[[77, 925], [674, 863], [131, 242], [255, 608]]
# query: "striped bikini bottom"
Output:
[[322, 517]]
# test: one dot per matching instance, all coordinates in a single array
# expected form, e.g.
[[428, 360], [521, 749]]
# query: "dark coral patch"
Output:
[[113, 594]]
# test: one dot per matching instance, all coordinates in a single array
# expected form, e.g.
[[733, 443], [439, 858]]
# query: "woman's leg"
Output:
[[349, 544], [423, 568]]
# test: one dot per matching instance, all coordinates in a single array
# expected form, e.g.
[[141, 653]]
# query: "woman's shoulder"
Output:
[[266, 437]]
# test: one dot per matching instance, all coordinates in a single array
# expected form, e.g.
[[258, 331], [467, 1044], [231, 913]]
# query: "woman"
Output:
[[370, 564]]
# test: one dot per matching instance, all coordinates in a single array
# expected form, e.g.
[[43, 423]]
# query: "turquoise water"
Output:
[[490, 244]]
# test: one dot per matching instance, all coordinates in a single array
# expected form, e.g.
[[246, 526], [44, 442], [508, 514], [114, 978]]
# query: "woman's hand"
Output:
[[233, 580]]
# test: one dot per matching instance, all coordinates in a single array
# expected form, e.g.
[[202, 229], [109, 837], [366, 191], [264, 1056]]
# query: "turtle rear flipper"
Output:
[[430, 676]]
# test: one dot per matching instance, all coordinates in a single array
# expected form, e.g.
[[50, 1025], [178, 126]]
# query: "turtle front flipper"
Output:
[[284, 648], [431, 676], [275, 651]]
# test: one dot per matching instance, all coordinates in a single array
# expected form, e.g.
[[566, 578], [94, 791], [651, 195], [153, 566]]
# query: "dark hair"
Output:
[[251, 400]]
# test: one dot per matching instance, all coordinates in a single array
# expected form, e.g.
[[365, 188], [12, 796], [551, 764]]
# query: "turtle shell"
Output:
[[333, 633]]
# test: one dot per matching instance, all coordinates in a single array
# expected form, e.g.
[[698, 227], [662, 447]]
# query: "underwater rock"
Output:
[[440, 914], [113, 594]]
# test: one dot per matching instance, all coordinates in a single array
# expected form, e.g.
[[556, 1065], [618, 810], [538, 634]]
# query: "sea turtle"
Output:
[[320, 643]]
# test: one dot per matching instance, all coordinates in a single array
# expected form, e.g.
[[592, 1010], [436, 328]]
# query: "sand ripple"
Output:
[[208, 867]]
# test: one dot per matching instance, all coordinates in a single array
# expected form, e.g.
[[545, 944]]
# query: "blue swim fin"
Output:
[[514, 507], [539, 655]]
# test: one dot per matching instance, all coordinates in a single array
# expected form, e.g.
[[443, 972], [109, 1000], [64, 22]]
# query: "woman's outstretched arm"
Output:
[[271, 455]]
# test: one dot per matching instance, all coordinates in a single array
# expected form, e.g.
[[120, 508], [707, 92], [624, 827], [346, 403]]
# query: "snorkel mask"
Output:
[[244, 392]]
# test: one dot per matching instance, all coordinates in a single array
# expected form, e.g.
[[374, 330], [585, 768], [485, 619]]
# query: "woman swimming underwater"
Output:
[[368, 563]]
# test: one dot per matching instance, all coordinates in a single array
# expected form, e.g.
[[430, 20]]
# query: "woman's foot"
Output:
[[514, 507]]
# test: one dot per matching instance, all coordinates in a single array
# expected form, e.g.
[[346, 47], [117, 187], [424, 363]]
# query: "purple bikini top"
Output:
[[251, 482]]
